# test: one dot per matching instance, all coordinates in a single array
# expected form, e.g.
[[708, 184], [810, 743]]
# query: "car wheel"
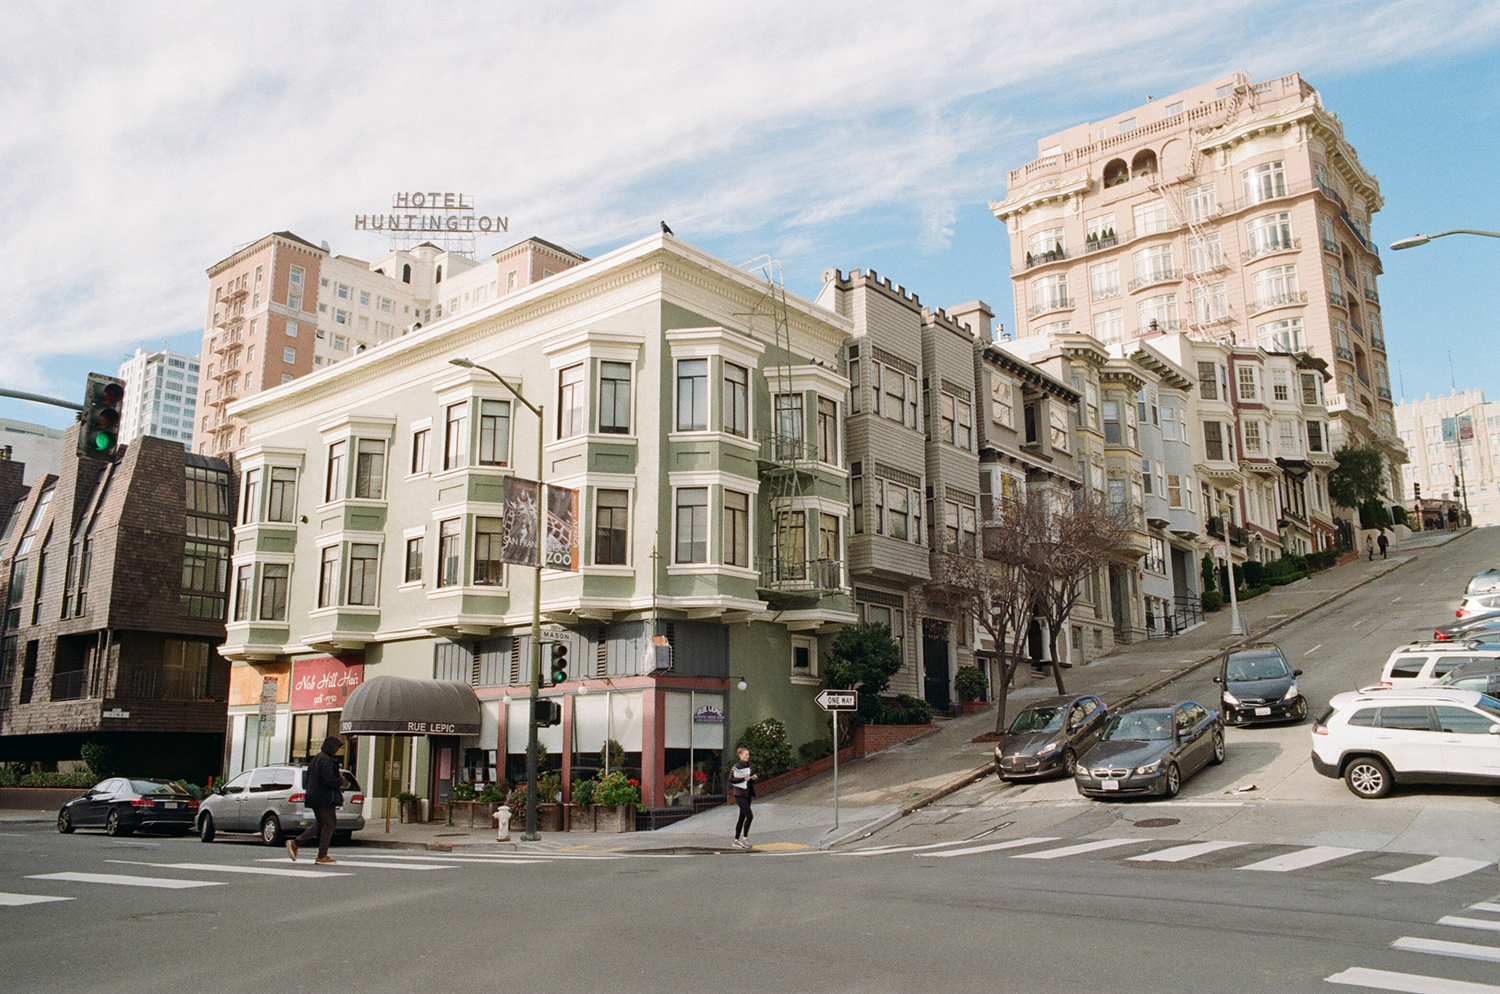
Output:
[[1070, 761], [1171, 782], [206, 827], [112, 824], [1218, 756], [1299, 713], [270, 830], [65, 822], [1368, 777]]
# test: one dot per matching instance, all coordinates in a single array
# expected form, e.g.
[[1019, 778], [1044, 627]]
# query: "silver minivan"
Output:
[[268, 801]]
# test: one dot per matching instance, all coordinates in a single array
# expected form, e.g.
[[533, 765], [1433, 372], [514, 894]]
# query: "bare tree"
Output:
[[1080, 534]]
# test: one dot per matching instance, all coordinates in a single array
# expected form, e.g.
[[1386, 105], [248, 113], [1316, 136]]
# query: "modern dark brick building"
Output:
[[113, 583]]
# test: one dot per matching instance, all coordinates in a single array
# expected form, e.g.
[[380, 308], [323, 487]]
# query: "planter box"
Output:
[[411, 812], [974, 707], [581, 818], [875, 738], [790, 777], [614, 817], [549, 817], [37, 798], [474, 814]]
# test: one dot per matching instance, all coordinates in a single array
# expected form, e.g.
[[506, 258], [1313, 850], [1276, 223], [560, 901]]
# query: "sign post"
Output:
[[834, 701]]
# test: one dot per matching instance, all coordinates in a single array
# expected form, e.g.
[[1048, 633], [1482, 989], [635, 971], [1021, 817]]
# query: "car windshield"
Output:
[[1149, 727], [153, 787], [1256, 666], [1037, 720]]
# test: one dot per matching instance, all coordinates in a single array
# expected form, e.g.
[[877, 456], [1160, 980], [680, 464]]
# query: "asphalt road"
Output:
[[1027, 890]]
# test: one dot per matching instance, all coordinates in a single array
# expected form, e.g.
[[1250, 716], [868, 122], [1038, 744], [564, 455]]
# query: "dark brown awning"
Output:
[[398, 705]]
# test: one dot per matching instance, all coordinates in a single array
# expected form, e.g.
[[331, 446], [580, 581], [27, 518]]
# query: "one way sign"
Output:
[[838, 700]]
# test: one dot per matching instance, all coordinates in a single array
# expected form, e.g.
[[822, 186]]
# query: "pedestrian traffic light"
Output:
[[547, 714], [559, 662], [99, 424]]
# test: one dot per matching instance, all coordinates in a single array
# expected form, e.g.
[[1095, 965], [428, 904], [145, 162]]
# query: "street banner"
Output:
[[518, 545], [562, 528], [1465, 428], [1450, 430]]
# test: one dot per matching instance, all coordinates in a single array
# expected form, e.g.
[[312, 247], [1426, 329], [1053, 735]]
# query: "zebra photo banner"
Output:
[[562, 528], [518, 543]]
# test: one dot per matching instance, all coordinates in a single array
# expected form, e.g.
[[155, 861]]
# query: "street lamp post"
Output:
[[530, 835], [1235, 628], [1415, 240]]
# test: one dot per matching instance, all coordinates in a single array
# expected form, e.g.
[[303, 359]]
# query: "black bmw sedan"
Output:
[[1259, 685], [1150, 749], [1047, 738], [121, 805]]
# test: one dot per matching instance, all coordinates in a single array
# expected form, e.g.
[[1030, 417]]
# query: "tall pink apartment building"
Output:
[[1234, 212]]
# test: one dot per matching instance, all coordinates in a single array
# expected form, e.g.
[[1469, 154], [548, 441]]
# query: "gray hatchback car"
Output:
[[268, 801]]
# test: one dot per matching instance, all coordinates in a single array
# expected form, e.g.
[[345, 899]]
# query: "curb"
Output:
[[953, 786]]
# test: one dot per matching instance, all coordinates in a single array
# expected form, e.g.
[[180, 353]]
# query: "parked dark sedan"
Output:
[[1047, 738], [1482, 675], [1259, 685], [1150, 749], [121, 805], [1484, 627]]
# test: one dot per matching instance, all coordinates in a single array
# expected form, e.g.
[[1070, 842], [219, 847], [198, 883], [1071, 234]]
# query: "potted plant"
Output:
[[411, 807], [674, 788], [461, 802], [617, 797], [581, 810], [971, 684], [549, 807]]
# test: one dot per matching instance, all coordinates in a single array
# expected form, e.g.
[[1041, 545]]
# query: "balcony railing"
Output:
[[143, 684], [1277, 300], [1216, 526], [1377, 341], [1363, 376], [1359, 329], [1095, 244], [1256, 251], [804, 576], [1343, 353], [1062, 302], [1106, 293], [69, 685], [1383, 392], [1329, 245], [1371, 295], [1153, 278], [1337, 298], [786, 451], [1041, 259], [1238, 536]]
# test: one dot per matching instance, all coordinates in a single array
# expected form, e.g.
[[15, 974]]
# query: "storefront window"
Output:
[[549, 742], [599, 718], [694, 745], [308, 733]]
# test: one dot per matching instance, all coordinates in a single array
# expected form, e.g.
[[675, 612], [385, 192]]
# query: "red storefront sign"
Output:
[[324, 683]]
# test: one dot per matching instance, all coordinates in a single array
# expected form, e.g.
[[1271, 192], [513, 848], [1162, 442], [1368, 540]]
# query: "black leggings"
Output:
[[742, 827]]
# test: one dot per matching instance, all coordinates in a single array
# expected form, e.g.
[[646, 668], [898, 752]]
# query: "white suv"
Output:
[[1421, 664], [1376, 739]]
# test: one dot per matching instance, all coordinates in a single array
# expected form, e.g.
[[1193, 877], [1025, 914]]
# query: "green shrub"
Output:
[[77, 780], [1210, 575], [902, 710], [863, 657], [1254, 571], [547, 787], [104, 758], [770, 754], [1252, 592], [1284, 579], [970, 682], [463, 792], [1398, 514], [815, 750], [1212, 601], [583, 792], [616, 788], [494, 792]]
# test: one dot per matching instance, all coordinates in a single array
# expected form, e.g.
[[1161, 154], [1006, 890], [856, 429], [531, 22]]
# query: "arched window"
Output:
[[439, 275], [406, 273], [1144, 164], [1115, 173]]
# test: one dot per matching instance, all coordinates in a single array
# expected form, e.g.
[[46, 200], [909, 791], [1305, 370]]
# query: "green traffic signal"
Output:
[[99, 424], [559, 662]]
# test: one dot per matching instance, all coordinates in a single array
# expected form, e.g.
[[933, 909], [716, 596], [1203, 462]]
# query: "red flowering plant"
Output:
[[672, 784], [616, 788]]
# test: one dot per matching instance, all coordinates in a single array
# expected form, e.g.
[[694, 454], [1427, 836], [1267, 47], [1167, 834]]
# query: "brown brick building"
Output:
[[113, 585]]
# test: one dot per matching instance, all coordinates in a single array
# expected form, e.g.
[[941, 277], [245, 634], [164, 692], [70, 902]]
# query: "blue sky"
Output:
[[142, 144]]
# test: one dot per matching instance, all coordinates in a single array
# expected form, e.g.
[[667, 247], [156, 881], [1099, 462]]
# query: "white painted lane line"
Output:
[[1487, 924], [1311, 856], [529, 857], [265, 871], [19, 900], [1361, 621], [885, 850], [1440, 947], [1314, 649], [1397, 599], [1078, 849], [1436, 870], [1177, 854], [1410, 983], [123, 880], [993, 847], [1485, 906], [378, 866]]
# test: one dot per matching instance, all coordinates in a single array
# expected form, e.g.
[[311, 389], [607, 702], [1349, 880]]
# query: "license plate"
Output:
[[1109, 785], [1262, 710], [173, 804]]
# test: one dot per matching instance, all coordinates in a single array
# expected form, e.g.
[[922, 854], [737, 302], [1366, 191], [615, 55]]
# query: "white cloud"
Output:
[[143, 143]]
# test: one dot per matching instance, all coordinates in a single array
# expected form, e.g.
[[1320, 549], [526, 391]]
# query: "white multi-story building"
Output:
[[161, 395], [1435, 465]]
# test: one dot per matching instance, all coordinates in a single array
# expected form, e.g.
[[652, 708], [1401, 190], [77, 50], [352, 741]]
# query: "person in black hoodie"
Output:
[[320, 784]]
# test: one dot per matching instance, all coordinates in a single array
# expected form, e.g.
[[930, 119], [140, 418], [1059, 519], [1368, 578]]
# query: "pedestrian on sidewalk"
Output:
[[1384, 543], [742, 783], [320, 784], [1370, 547]]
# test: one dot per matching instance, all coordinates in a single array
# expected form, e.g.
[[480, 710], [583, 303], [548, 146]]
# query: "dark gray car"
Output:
[[1259, 685], [1047, 738], [1151, 749]]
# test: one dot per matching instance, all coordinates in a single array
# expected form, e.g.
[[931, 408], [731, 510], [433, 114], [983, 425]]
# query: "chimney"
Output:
[[977, 317]]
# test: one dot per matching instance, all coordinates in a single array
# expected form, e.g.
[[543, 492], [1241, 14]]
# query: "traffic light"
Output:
[[1416, 490], [99, 424], [547, 714], [559, 662]]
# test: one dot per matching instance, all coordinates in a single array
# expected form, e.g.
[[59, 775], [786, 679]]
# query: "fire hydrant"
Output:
[[502, 824]]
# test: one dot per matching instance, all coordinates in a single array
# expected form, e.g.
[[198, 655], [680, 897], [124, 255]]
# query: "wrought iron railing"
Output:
[[69, 685], [800, 575], [1269, 301]]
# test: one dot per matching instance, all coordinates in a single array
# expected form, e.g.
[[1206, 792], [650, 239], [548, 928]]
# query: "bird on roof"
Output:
[[664, 229]]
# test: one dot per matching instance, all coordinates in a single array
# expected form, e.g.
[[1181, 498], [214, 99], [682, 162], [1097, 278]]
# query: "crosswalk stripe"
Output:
[[1485, 906], [991, 847], [886, 850], [1409, 983], [1177, 854], [526, 857], [376, 866], [1078, 849], [1441, 947], [1436, 870], [124, 880], [1311, 856], [19, 900], [1486, 924], [267, 871]]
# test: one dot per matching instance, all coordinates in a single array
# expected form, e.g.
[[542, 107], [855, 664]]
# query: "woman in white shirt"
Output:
[[742, 785]]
